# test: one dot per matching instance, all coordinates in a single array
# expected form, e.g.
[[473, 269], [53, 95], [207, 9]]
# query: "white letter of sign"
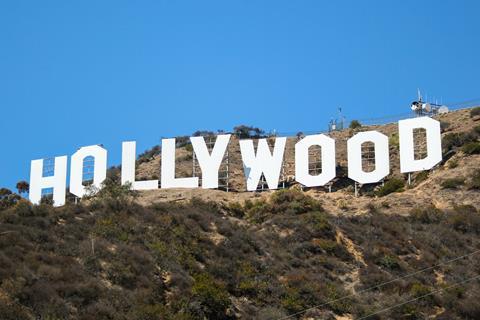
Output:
[[262, 162], [382, 164], [58, 181], [210, 163], [128, 168], [76, 169], [434, 144], [327, 145], [168, 179]]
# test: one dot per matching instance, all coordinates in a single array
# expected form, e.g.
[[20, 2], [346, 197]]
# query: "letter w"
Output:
[[263, 162]]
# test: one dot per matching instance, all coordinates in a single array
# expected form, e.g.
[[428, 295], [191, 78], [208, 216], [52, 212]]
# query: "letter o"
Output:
[[382, 163]]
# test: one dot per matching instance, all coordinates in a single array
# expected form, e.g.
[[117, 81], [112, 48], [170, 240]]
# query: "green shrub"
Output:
[[454, 140], [444, 125], [327, 245], [23, 209], [452, 183], [182, 141], [389, 261], [148, 154], [336, 294], [419, 290], [407, 311], [235, 209], [471, 148], [113, 191], [23, 187], [245, 132], [342, 204], [8, 198], [464, 218], [257, 211], [292, 201], [286, 202], [318, 224], [422, 176], [212, 296], [355, 124], [428, 214], [203, 133], [392, 185], [393, 140], [475, 112], [292, 301], [452, 163], [189, 148]]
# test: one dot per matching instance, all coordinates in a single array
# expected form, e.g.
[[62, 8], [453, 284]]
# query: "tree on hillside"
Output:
[[23, 187], [355, 124], [243, 131], [7, 198], [203, 133]]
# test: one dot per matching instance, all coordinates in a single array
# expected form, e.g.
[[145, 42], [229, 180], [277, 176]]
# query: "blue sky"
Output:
[[76, 73]]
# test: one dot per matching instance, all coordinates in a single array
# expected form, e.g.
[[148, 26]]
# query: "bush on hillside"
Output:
[[452, 183], [427, 215], [288, 202], [475, 112], [393, 140], [212, 297], [389, 261], [452, 163], [245, 132], [189, 148], [355, 124], [454, 140], [471, 148], [421, 176], [392, 185], [8, 198], [114, 173], [444, 126], [148, 154], [182, 141], [203, 133], [464, 218], [418, 290], [115, 195], [23, 186]]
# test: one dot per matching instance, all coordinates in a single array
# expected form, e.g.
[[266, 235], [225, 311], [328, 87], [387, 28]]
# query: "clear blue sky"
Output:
[[75, 73]]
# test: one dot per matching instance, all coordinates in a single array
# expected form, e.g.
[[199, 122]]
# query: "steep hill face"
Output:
[[393, 252], [288, 256]]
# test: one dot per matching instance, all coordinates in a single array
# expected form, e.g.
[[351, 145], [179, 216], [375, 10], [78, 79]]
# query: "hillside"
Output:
[[211, 254], [458, 127]]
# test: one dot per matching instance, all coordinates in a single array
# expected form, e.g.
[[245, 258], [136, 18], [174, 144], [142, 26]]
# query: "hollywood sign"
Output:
[[261, 161]]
